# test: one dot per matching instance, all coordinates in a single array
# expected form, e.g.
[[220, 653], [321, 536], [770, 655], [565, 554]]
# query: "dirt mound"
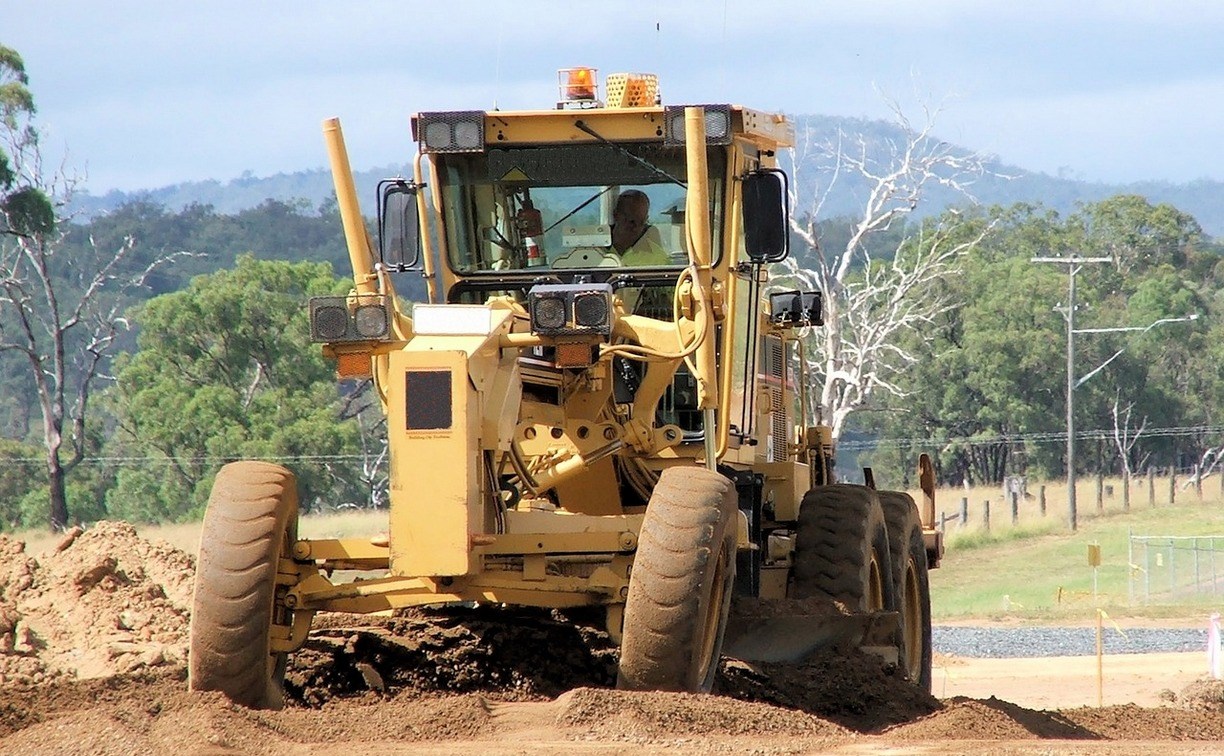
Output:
[[1204, 695], [992, 719], [103, 601], [854, 689], [625, 715], [93, 641], [1132, 722]]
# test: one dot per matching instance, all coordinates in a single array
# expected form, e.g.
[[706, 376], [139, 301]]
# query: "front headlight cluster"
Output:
[[450, 131], [356, 318], [570, 309]]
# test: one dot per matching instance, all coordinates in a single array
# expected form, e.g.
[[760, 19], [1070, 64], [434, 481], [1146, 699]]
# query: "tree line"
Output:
[[141, 350], [988, 397]]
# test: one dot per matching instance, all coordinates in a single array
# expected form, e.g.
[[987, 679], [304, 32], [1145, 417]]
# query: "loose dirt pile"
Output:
[[102, 602], [93, 641]]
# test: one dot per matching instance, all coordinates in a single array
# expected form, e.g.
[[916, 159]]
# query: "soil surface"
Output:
[[93, 639]]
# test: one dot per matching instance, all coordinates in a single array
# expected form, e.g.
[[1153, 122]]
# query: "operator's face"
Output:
[[628, 221]]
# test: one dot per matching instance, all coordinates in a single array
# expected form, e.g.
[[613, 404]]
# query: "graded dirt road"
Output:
[[93, 641]]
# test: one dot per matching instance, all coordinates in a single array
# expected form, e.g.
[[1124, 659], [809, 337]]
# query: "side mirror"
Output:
[[766, 216], [399, 229]]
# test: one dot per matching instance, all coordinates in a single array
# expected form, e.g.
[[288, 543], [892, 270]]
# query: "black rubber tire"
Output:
[[250, 523], [841, 549], [680, 584], [911, 584]]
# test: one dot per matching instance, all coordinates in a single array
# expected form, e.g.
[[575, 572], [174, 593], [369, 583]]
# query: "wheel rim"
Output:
[[713, 618], [911, 606], [875, 584], [281, 616]]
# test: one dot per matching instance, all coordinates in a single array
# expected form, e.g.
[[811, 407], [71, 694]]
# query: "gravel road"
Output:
[[1004, 642]]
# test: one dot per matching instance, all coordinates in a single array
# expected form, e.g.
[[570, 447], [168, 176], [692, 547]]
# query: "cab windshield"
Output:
[[556, 207]]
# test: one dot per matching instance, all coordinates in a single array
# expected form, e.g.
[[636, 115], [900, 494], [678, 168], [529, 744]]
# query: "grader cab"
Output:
[[599, 405]]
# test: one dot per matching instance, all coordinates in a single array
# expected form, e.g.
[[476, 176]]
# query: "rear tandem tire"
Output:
[[680, 584], [911, 583], [250, 524], [841, 549]]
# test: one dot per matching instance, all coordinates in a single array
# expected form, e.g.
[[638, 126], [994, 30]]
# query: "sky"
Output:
[[138, 95]]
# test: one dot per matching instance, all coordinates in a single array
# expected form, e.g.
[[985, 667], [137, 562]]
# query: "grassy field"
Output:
[[1038, 569], [1035, 569]]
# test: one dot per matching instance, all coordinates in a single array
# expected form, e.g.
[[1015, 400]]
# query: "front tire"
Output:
[[911, 583], [680, 584], [841, 549], [250, 524]]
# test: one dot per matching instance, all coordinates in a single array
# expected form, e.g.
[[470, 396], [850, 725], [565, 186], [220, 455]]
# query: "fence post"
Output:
[[1172, 485], [1015, 506], [964, 515], [1130, 561], [1100, 491], [943, 521], [1151, 487], [1041, 500], [1126, 481], [986, 516], [1198, 481]]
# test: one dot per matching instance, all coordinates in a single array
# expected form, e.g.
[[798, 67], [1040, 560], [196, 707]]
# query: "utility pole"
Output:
[[1073, 264]]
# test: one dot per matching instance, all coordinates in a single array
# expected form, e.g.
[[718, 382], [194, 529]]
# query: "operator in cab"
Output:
[[633, 238]]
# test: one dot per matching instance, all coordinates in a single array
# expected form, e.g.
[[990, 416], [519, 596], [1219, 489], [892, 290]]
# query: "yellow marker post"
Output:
[[1094, 561]]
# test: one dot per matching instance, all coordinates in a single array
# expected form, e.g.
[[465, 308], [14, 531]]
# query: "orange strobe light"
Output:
[[577, 83]]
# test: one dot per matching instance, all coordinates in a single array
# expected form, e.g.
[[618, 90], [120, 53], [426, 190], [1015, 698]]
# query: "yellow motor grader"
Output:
[[576, 422]]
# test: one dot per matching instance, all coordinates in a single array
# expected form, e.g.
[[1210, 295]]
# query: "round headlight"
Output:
[[548, 313], [331, 323], [438, 135], [591, 310], [371, 321], [468, 136]]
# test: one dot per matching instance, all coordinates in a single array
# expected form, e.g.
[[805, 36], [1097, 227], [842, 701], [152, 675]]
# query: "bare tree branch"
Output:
[[874, 306], [63, 315]]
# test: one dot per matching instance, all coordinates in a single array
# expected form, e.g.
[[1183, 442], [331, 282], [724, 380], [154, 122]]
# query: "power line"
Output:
[[1027, 438], [926, 442]]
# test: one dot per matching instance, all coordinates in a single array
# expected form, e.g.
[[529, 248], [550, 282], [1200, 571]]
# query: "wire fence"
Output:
[[1175, 569]]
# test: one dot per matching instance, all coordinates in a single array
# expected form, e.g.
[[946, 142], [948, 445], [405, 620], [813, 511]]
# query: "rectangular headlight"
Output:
[[450, 131], [340, 319], [570, 309]]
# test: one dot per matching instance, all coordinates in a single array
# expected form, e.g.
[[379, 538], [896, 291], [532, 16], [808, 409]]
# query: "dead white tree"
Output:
[[873, 304], [60, 314], [1125, 437]]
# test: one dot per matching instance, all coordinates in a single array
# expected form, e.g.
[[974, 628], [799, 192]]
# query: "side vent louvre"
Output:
[[775, 379]]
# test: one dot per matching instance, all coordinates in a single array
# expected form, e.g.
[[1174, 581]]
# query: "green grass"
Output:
[[1039, 569]]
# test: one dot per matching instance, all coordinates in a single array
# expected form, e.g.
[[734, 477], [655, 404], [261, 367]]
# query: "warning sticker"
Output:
[[515, 174]]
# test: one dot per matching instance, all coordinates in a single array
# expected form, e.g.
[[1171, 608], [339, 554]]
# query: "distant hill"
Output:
[[1204, 199], [310, 187]]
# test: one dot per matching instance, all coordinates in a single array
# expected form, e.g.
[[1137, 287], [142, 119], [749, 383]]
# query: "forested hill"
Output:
[[1004, 185]]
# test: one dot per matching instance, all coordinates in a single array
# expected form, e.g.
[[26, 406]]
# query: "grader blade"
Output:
[[780, 637]]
